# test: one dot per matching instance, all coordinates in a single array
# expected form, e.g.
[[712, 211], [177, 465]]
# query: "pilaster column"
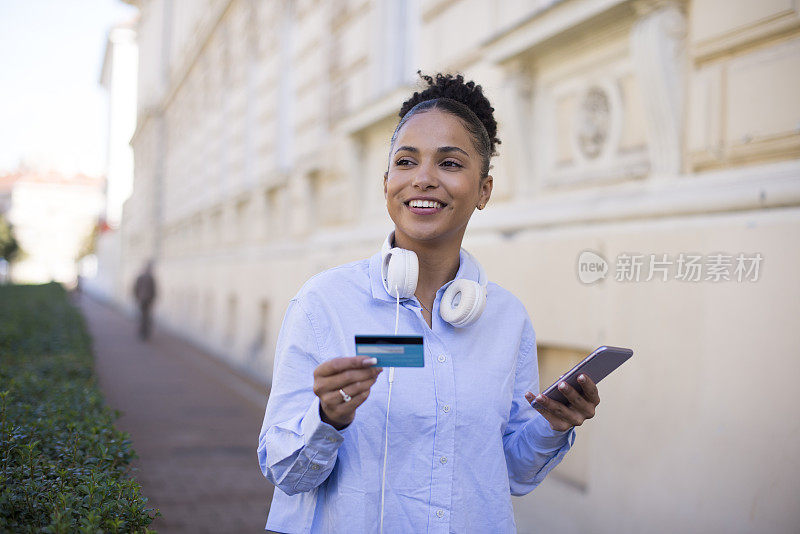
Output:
[[658, 51]]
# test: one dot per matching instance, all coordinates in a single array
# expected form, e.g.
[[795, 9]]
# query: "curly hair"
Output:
[[451, 94]]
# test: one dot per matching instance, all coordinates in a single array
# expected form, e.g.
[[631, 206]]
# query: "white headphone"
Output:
[[463, 301]]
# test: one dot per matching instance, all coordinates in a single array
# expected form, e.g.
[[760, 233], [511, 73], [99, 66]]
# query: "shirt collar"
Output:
[[466, 269]]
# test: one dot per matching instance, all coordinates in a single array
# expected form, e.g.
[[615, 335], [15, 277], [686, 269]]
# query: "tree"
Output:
[[9, 248]]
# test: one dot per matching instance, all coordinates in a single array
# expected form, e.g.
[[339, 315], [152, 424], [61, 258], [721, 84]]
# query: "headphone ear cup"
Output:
[[402, 272], [470, 305]]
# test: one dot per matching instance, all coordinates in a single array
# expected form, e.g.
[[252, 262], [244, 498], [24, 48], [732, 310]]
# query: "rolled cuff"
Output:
[[319, 435], [317, 457], [543, 438]]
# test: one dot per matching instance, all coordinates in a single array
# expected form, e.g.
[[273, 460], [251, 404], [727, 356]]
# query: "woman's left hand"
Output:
[[565, 416]]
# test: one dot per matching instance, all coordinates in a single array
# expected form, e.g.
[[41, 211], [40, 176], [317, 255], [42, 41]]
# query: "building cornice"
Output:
[[756, 187], [142, 118], [376, 111], [542, 25]]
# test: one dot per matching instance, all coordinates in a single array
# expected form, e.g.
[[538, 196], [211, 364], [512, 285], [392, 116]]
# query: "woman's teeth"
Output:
[[425, 204]]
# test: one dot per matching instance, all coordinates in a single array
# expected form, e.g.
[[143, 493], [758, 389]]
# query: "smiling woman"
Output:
[[461, 436]]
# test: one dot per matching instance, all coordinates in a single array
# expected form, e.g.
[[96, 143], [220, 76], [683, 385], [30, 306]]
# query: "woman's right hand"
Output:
[[354, 376]]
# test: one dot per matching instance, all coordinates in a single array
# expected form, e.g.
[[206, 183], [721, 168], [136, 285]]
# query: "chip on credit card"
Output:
[[392, 351]]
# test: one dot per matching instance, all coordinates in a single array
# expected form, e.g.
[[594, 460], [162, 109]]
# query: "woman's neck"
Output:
[[438, 264]]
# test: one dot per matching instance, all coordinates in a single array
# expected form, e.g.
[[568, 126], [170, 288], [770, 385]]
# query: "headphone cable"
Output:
[[388, 402]]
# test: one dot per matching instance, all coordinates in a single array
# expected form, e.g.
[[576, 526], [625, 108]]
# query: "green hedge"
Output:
[[64, 467]]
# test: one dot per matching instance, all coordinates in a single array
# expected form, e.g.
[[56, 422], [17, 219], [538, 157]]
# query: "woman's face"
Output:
[[434, 179]]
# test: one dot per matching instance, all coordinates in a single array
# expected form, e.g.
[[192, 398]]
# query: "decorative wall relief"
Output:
[[593, 122]]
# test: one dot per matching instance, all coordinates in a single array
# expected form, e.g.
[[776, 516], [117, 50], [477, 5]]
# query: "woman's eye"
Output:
[[451, 163], [402, 162]]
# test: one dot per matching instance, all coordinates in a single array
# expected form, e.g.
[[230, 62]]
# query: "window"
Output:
[[554, 362], [260, 353], [396, 40]]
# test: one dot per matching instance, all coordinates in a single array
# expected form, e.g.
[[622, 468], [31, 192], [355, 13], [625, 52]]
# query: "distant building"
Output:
[[53, 217], [639, 131], [118, 78]]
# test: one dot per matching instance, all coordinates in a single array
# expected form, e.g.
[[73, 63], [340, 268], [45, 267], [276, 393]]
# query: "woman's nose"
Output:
[[424, 178]]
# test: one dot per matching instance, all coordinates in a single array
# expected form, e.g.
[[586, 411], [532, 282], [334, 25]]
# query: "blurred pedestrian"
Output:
[[144, 291]]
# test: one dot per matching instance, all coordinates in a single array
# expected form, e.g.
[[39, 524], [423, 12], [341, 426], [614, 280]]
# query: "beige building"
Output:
[[53, 216], [118, 77], [655, 141]]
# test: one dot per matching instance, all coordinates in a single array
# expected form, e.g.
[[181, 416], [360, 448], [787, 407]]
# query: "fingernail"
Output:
[[540, 398], [369, 361], [582, 378], [562, 385]]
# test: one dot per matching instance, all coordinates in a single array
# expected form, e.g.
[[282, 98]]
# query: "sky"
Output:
[[53, 111]]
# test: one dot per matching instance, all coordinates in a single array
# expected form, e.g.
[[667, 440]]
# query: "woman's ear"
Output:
[[385, 188], [485, 191]]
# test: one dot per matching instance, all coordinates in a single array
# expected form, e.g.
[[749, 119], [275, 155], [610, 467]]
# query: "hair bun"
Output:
[[455, 88]]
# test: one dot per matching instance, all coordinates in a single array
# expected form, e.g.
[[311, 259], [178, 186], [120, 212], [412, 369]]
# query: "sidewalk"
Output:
[[194, 424]]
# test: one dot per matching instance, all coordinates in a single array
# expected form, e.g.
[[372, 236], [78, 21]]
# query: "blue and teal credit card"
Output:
[[392, 351]]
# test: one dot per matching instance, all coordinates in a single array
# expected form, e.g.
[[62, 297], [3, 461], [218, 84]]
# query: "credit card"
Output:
[[392, 351]]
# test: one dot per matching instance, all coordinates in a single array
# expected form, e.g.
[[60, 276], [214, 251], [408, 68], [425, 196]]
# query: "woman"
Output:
[[461, 436]]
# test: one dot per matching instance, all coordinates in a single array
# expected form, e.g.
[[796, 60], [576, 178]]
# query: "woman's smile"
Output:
[[425, 205]]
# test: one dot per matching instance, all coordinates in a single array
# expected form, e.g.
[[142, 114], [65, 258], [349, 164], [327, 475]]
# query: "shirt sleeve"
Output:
[[532, 447], [296, 449]]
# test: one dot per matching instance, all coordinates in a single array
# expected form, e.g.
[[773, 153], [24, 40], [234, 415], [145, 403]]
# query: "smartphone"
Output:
[[598, 365]]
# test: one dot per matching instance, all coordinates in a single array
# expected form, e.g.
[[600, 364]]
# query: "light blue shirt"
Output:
[[462, 437]]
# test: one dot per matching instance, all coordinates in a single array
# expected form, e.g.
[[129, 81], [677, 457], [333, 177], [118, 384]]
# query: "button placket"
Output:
[[444, 440]]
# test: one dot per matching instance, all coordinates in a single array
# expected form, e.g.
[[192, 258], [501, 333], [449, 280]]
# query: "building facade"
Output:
[[54, 216], [118, 77], [647, 194]]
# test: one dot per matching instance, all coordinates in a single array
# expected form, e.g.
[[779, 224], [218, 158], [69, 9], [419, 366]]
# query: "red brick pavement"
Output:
[[194, 424]]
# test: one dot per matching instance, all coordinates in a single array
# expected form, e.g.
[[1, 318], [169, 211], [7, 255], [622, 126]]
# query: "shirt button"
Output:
[[443, 459], [439, 513], [446, 408], [330, 439], [442, 358], [315, 467]]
